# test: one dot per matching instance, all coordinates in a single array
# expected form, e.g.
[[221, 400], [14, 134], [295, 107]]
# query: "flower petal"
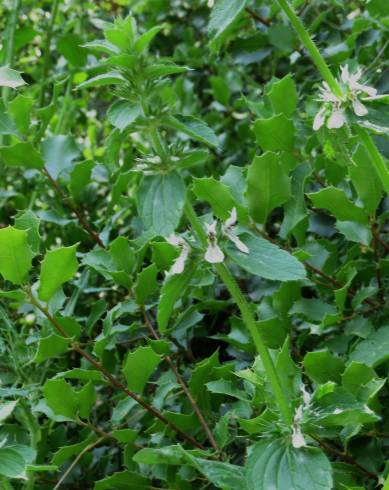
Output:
[[319, 119], [214, 254], [238, 242], [297, 438], [231, 220], [336, 120], [359, 108]]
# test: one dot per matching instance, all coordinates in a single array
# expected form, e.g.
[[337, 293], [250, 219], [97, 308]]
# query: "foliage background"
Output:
[[330, 213]]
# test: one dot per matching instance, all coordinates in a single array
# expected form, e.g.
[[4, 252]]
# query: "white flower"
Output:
[[214, 254], [228, 231], [179, 264], [333, 111], [298, 439]]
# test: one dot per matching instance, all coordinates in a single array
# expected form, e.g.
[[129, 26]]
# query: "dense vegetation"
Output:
[[193, 244]]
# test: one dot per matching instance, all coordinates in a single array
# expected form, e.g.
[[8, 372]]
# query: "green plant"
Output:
[[193, 249]]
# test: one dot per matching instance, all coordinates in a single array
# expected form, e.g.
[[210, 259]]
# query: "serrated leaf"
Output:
[[283, 96], [15, 254], [139, 366], [21, 155], [51, 346], [336, 201], [276, 133], [58, 266], [268, 186], [58, 153]]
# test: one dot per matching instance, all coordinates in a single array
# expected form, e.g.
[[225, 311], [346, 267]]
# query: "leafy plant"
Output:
[[193, 245]]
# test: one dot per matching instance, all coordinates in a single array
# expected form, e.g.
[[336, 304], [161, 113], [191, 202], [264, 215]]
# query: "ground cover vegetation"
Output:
[[193, 244]]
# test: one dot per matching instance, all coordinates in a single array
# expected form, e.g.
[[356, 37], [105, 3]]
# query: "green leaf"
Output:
[[12, 464], [58, 154], [6, 409], [164, 455], [20, 109], [295, 210], [268, 186], [122, 254], [122, 113], [222, 20], [275, 133], [374, 350], [216, 194], [192, 126], [272, 464], [21, 155], [283, 96], [10, 78], [110, 78], [139, 366], [146, 283], [7, 125], [160, 202], [80, 177], [365, 181], [143, 41], [51, 346], [222, 475], [15, 254], [58, 266], [173, 288], [266, 260], [125, 480], [322, 366], [28, 221], [355, 232], [69, 45], [61, 398], [336, 201]]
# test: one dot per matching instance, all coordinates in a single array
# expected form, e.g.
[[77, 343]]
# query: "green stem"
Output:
[[248, 319], [46, 59], [311, 47], [375, 156], [9, 54]]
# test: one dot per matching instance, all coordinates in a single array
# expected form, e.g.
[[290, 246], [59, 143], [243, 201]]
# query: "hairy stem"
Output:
[[248, 319]]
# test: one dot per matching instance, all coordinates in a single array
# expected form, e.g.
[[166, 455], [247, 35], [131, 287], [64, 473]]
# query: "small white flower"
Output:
[[229, 232], [214, 254], [179, 264], [354, 92], [359, 108]]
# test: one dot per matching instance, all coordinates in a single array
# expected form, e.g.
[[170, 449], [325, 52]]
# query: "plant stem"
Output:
[[375, 156], [9, 54], [46, 50], [311, 47], [112, 380], [248, 319], [183, 385]]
